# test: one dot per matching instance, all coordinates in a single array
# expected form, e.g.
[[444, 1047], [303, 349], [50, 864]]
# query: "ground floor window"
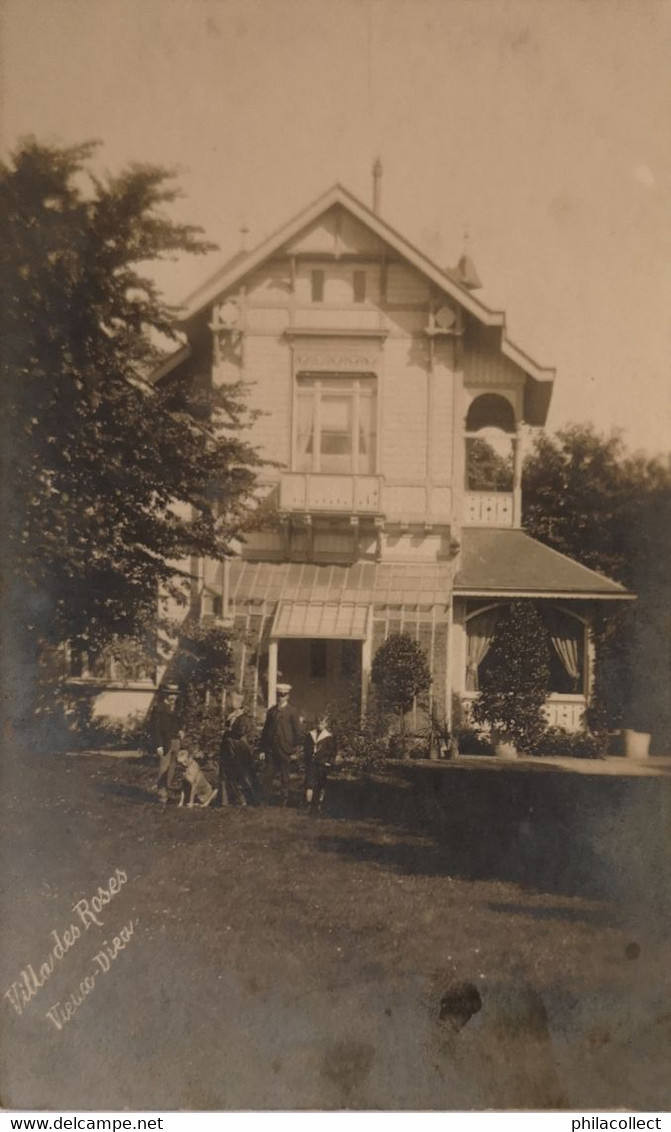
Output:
[[566, 647], [124, 662]]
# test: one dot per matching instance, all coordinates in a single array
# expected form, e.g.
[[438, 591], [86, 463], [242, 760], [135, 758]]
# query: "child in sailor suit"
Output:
[[320, 757]]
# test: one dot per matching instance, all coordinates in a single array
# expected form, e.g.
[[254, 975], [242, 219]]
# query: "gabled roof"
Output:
[[500, 563], [450, 282]]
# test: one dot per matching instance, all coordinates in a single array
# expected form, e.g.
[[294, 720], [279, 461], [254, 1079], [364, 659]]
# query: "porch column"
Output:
[[457, 655], [589, 652], [517, 480], [366, 661], [448, 666], [272, 672]]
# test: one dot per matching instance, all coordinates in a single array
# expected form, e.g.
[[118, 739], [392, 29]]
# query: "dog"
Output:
[[195, 786]]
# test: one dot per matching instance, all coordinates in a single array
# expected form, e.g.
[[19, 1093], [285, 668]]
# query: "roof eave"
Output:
[[170, 363], [564, 595], [545, 374]]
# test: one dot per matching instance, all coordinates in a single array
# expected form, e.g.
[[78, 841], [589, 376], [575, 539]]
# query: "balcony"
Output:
[[491, 509], [332, 494]]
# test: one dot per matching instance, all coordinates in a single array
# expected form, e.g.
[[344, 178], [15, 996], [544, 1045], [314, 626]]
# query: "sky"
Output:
[[538, 127]]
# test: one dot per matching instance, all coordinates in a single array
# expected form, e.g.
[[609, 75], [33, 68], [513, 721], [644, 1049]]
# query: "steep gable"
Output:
[[335, 232], [336, 226]]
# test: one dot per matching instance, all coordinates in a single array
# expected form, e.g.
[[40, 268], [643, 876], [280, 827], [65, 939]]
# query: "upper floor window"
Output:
[[359, 286], [336, 424], [317, 286], [490, 432]]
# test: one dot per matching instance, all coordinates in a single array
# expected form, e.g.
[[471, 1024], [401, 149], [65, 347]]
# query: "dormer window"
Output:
[[317, 286], [359, 286]]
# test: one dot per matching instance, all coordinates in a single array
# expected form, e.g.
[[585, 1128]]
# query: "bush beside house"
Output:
[[401, 673], [514, 685]]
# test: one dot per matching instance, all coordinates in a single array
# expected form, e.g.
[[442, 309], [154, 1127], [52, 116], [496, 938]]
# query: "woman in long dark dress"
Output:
[[237, 774]]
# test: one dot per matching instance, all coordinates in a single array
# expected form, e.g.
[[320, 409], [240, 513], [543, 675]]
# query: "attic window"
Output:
[[317, 285], [359, 286]]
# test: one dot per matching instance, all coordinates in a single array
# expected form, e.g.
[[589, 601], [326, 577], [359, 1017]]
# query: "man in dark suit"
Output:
[[166, 743], [282, 733]]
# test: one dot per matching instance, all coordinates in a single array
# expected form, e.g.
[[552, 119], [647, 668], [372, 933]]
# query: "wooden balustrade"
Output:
[[349, 494]]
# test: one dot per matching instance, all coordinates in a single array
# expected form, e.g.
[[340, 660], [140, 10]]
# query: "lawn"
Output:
[[281, 961]]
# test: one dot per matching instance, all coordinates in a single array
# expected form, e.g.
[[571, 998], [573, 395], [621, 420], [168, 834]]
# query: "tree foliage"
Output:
[[514, 684], [401, 671], [588, 497], [487, 469], [201, 669], [109, 479]]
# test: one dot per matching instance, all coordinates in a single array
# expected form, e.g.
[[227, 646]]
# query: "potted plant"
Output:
[[514, 683], [401, 672], [639, 704], [635, 718]]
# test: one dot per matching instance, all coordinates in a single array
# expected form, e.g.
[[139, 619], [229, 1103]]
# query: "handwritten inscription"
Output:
[[63, 1012], [87, 914]]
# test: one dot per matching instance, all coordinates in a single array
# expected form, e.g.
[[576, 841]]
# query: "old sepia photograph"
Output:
[[336, 513]]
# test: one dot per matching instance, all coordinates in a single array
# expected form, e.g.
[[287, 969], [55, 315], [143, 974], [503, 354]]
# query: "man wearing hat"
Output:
[[165, 736], [282, 733]]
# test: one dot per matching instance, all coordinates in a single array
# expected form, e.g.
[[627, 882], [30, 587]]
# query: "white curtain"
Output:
[[366, 434], [564, 634], [305, 432], [480, 633]]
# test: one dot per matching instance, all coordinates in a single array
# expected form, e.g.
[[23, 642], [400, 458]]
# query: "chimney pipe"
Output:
[[377, 185]]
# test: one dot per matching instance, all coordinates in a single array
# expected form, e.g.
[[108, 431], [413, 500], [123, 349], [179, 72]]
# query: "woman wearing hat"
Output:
[[282, 733], [237, 777]]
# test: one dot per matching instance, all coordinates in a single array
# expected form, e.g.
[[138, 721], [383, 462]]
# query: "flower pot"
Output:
[[636, 743], [504, 748]]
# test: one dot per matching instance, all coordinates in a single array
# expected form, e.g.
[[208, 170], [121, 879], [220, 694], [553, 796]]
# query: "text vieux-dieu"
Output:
[[87, 913]]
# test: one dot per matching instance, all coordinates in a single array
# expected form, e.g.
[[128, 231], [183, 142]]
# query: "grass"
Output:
[[282, 961]]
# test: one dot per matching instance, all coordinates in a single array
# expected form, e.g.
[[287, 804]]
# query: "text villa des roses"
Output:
[[88, 913]]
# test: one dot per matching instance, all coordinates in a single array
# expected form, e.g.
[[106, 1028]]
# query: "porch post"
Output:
[[589, 652], [272, 672], [448, 666], [517, 480], [366, 660]]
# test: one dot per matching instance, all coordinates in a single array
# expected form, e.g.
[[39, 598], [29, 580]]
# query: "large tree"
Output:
[[109, 478], [587, 496]]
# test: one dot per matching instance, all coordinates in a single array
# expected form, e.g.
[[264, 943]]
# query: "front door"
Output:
[[325, 675]]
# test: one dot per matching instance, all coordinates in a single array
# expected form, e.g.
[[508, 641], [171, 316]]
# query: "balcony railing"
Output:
[[489, 509], [344, 494], [565, 711]]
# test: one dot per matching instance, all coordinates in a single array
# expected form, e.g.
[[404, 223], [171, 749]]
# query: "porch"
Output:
[[566, 711]]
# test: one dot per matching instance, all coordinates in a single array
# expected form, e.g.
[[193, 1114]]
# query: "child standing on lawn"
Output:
[[320, 756]]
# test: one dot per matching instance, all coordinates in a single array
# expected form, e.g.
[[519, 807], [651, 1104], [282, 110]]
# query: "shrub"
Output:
[[514, 683], [202, 669], [472, 742], [576, 744], [363, 742], [401, 673]]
